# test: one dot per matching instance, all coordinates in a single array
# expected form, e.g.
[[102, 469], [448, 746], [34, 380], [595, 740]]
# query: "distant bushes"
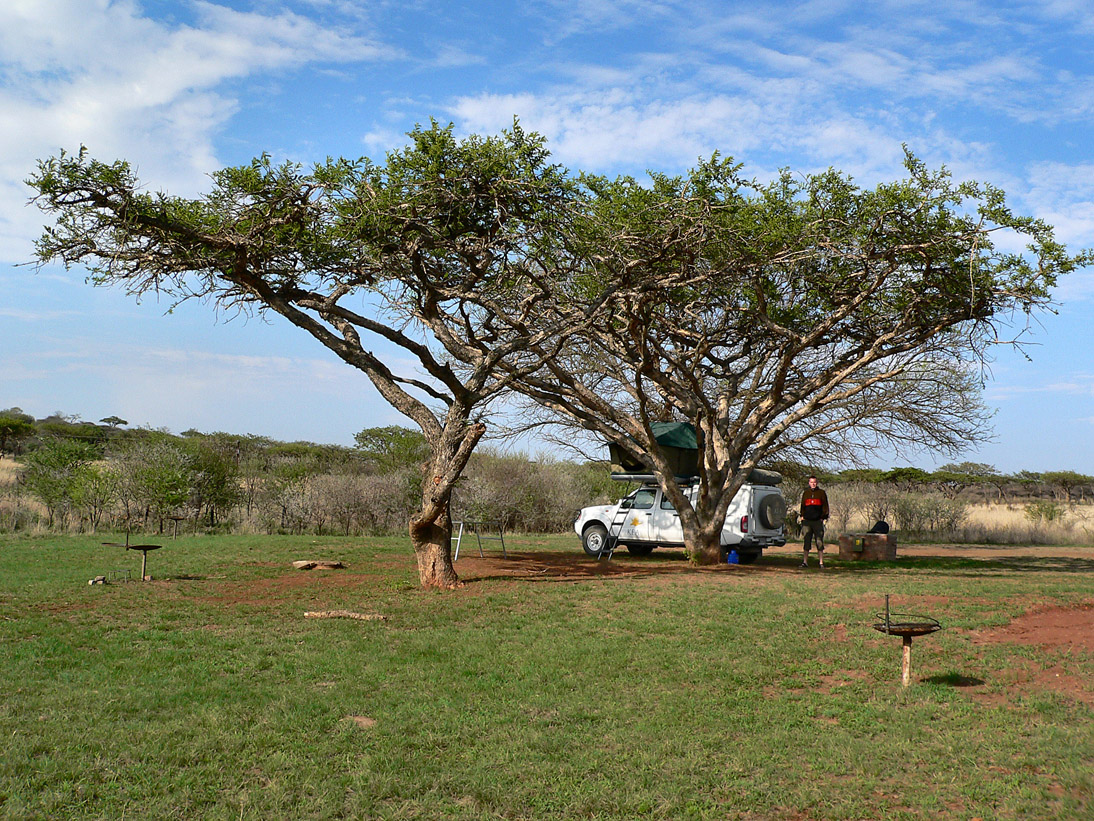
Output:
[[217, 482], [929, 514], [1042, 512], [75, 476], [856, 506], [925, 514], [541, 496]]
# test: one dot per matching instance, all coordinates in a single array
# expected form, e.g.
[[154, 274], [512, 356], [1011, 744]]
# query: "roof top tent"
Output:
[[678, 442]]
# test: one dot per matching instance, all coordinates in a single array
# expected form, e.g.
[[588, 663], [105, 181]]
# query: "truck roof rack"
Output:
[[757, 476], [651, 478]]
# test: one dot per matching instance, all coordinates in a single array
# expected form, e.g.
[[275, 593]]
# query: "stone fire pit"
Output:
[[867, 546]]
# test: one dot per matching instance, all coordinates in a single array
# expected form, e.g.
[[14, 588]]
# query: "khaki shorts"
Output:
[[813, 530]]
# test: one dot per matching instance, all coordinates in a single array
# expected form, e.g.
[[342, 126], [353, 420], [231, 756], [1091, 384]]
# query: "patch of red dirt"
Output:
[[1067, 627], [1070, 629], [574, 566], [293, 584]]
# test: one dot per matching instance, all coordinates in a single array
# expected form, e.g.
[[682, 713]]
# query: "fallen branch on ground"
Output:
[[342, 614]]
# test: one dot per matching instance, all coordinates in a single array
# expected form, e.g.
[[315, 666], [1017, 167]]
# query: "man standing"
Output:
[[814, 513]]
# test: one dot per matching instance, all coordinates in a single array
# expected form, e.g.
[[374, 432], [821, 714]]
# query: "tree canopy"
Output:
[[14, 426], [392, 447], [805, 318], [419, 252]]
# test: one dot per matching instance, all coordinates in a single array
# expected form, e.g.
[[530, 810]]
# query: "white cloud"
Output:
[[1062, 194], [100, 74], [453, 56], [608, 15], [1076, 384], [36, 316], [615, 127], [1076, 287]]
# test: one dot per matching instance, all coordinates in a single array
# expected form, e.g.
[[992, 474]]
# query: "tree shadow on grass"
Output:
[[1008, 564], [560, 566], [955, 680], [555, 566]]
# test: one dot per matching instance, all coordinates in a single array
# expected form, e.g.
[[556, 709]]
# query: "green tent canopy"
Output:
[[677, 440]]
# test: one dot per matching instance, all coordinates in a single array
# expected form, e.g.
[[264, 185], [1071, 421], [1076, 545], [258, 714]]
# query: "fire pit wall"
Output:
[[878, 547]]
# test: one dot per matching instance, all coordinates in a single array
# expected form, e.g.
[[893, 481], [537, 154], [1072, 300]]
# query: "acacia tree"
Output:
[[391, 448], [954, 478], [55, 473], [215, 482], [14, 427], [807, 318], [1066, 481], [414, 253], [155, 476]]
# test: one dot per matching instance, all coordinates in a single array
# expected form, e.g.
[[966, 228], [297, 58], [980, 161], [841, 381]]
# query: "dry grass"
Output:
[[856, 509], [1010, 523], [8, 471]]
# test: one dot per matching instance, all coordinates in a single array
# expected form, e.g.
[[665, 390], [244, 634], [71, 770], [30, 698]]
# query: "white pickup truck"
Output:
[[645, 519]]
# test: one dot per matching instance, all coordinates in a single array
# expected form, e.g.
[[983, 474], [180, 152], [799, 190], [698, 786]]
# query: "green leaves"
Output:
[[393, 448]]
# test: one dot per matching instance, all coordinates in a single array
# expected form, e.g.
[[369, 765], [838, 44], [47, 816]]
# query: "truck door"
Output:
[[666, 523], [736, 515], [639, 512]]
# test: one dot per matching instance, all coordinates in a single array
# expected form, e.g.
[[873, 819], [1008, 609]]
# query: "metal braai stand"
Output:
[[143, 548], [907, 626]]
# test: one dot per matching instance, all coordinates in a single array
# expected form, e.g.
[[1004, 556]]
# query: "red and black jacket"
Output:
[[814, 505]]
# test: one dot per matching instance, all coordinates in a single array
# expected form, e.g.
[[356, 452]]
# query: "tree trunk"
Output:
[[431, 526], [703, 538], [432, 543], [707, 549], [704, 545]]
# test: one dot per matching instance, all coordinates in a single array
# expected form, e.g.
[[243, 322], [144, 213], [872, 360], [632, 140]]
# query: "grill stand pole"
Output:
[[906, 661]]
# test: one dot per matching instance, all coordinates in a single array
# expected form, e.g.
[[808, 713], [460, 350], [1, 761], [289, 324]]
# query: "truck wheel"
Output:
[[595, 539], [640, 549], [747, 558], [772, 511]]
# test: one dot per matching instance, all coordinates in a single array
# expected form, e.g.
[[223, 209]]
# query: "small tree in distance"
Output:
[[1065, 482], [393, 447], [15, 426], [56, 472]]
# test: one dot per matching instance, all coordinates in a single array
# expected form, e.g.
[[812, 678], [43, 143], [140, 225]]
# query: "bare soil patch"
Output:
[[575, 565], [1063, 632], [1071, 628], [291, 585], [998, 551]]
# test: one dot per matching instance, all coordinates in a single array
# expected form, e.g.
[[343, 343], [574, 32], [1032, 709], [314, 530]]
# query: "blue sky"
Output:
[[996, 91]]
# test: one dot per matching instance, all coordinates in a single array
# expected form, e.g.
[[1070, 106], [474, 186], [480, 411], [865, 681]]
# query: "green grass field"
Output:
[[649, 689]]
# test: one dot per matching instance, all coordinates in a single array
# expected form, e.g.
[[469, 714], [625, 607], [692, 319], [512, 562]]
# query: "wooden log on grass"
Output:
[[343, 614]]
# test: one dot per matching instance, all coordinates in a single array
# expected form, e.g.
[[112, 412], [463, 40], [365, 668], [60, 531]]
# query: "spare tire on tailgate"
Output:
[[772, 511]]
